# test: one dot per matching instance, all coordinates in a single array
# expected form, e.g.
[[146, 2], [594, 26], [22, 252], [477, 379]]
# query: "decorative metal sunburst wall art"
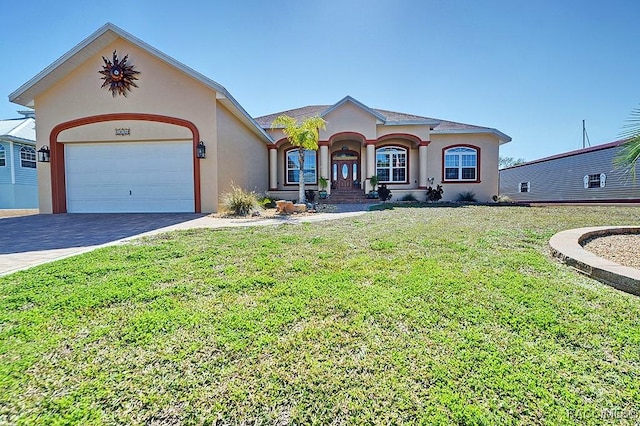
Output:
[[118, 76]]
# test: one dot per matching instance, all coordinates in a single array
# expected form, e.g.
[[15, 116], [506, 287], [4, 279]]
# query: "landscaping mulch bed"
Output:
[[622, 249]]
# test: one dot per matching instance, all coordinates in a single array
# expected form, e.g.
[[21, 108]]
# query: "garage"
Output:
[[131, 177]]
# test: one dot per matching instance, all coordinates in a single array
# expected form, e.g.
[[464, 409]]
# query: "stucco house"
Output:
[[130, 129], [18, 179], [585, 175], [407, 152]]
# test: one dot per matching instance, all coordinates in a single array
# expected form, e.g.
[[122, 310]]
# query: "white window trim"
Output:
[[30, 150], [398, 150], [586, 180], [528, 187], [287, 169], [3, 156], [460, 166]]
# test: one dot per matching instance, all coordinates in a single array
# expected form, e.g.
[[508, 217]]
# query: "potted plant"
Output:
[[323, 183], [373, 193]]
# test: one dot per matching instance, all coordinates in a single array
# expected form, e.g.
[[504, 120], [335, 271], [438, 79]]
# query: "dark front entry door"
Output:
[[346, 170]]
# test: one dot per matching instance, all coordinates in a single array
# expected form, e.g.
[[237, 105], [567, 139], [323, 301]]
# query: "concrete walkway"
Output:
[[567, 247], [33, 240]]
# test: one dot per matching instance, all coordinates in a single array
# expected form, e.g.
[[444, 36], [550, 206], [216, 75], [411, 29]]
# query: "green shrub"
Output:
[[240, 202], [266, 202], [467, 196], [409, 197], [434, 195]]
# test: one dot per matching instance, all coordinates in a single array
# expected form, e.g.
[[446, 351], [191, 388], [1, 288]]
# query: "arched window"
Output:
[[461, 163], [3, 156], [391, 164], [28, 157], [309, 169]]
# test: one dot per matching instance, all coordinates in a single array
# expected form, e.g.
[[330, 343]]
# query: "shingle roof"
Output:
[[18, 130], [391, 117]]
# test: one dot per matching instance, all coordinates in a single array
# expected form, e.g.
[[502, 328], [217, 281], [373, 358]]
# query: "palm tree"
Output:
[[304, 136], [629, 153]]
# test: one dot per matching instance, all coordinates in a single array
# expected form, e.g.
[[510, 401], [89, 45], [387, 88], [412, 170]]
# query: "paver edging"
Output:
[[567, 247]]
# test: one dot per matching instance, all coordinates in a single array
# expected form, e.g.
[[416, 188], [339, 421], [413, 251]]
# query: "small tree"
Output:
[[629, 153], [374, 182], [304, 136], [504, 162]]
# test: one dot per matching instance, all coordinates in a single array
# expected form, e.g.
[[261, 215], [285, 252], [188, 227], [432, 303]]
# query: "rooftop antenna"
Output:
[[585, 136]]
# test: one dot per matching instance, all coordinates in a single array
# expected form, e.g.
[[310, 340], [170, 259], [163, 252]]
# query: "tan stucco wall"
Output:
[[249, 168], [139, 131], [349, 118], [162, 90], [421, 131], [488, 144]]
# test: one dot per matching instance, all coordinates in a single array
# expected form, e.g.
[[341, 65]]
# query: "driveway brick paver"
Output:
[[33, 240]]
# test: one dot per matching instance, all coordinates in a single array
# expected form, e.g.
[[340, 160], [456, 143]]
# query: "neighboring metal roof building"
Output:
[[583, 175], [385, 117], [21, 130]]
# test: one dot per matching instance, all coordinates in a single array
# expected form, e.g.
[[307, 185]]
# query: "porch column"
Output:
[[422, 157], [324, 159], [371, 163], [273, 168]]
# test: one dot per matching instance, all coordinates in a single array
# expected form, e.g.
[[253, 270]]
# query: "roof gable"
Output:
[[95, 43], [389, 118], [349, 99]]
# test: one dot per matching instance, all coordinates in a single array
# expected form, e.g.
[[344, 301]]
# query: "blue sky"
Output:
[[532, 69]]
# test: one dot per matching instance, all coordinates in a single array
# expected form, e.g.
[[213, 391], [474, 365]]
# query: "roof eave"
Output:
[[118, 32], [17, 140], [503, 138], [430, 123]]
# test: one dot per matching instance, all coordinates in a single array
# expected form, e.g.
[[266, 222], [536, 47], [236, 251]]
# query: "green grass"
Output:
[[409, 315]]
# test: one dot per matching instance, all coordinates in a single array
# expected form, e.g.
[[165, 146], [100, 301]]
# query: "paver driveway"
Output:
[[29, 240], [32, 240]]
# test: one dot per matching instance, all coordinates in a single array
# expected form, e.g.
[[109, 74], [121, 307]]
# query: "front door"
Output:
[[345, 172]]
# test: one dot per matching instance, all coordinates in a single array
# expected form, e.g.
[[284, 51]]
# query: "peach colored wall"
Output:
[[421, 131], [349, 118], [250, 166], [139, 131], [162, 90], [488, 144]]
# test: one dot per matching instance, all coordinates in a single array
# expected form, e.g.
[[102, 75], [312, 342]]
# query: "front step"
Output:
[[347, 197]]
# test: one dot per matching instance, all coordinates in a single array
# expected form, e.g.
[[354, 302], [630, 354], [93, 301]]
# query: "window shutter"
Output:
[[585, 180], [603, 180], [528, 186]]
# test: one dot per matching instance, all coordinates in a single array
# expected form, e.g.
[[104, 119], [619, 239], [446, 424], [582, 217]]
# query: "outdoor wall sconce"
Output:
[[431, 180], [44, 155], [201, 150]]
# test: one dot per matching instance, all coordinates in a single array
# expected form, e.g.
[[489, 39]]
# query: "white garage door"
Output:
[[139, 177]]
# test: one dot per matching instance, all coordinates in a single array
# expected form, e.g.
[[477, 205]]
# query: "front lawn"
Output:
[[430, 315]]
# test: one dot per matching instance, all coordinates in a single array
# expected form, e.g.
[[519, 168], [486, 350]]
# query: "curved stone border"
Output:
[[566, 246]]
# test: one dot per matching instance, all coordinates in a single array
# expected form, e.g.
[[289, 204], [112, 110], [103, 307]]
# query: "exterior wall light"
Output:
[[44, 155], [201, 150], [431, 180]]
